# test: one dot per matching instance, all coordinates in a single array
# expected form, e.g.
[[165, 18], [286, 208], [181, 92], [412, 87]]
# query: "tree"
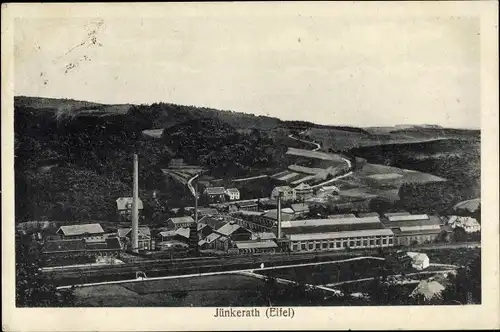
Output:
[[31, 289]]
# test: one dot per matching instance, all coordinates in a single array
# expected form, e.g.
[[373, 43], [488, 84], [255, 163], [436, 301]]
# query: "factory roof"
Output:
[[264, 236], [184, 232], [298, 208], [338, 235], [432, 220], [420, 228], [255, 244], [408, 217], [341, 216], [207, 211], [273, 214], [400, 213], [329, 222], [229, 229], [368, 214], [182, 220], [143, 230], [287, 211], [167, 233], [74, 230], [246, 203], [331, 228], [214, 191]]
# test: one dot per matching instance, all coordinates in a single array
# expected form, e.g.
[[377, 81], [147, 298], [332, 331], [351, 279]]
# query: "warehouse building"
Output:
[[416, 229], [251, 247], [361, 239]]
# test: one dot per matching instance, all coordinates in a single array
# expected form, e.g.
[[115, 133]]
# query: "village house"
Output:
[[469, 224], [215, 241], [419, 261], [124, 207], [303, 191], [233, 194], [80, 231], [234, 231], [180, 235], [287, 193], [144, 240], [247, 206], [215, 194], [179, 222]]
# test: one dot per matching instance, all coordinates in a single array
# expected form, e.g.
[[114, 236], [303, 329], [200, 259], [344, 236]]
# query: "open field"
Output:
[[221, 290]]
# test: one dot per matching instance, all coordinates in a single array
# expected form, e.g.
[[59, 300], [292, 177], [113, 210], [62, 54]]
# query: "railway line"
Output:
[[172, 267]]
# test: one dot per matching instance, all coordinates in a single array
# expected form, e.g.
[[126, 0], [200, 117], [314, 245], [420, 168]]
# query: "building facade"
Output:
[[364, 239], [288, 194], [233, 194]]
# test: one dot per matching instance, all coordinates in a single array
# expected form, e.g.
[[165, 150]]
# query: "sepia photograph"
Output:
[[250, 163]]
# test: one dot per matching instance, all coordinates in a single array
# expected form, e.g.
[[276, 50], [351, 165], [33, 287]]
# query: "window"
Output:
[[390, 240], [295, 247], [351, 244], [372, 242], [303, 246], [365, 243], [311, 246], [344, 244], [318, 245], [358, 243], [338, 244], [332, 244], [377, 242], [384, 241]]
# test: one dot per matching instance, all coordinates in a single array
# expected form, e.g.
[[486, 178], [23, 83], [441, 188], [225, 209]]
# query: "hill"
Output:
[[74, 158]]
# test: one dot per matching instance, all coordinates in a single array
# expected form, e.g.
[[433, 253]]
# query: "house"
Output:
[[204, 230], [144, 240], [202, 212], [428, 290], [124, 206], [287, 193], [180, 235], [303, 191], [215, 194], [419, 261], [215, 241], [469, 224], [233, 194], [300, 208], [234, 231], [80, 231], [178, 222], [247, 206]]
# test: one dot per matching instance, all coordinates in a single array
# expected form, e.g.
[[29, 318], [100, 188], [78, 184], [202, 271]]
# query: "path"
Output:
[[394, 275], [318, 147], [190, 184]]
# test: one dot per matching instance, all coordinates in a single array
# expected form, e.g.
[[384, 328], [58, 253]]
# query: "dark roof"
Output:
[[64, 246], [215, 191], [433, 220], [113, 243], [243, 204], [143, 230], [332, 228]]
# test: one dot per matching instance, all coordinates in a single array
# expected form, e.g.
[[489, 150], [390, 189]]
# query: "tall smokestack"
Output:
[[135, 207], [279, 216]]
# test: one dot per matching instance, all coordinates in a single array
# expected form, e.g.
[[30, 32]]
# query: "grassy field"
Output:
[[328, 273], [208, 291]]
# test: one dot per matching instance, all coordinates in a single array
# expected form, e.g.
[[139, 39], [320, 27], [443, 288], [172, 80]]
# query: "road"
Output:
[[190, 185], [318, 147]]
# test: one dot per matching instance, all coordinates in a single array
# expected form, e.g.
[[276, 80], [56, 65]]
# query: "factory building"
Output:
[[366, 239], [416, 229]]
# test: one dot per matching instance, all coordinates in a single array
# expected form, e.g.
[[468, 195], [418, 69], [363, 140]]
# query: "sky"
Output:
[[329, 70]]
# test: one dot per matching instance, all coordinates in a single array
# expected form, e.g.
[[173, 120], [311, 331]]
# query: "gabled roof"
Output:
[[228, 229], [273, 215], [303, 186], [282, 188], [212, 237], [74, 230], [255, 244], [122, 203], [184, 232], [113, 243], [232, 190], [143, 230], [264, 236], [300, 207], [214, 191], [167, 233], [182, 220], [429, 289]]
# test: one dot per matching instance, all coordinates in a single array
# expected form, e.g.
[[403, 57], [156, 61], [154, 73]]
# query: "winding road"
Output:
[[318, 147]]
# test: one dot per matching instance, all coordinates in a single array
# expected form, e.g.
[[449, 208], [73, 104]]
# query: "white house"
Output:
[[233, 194], [419, 261], [469, 224], [288, 194]]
